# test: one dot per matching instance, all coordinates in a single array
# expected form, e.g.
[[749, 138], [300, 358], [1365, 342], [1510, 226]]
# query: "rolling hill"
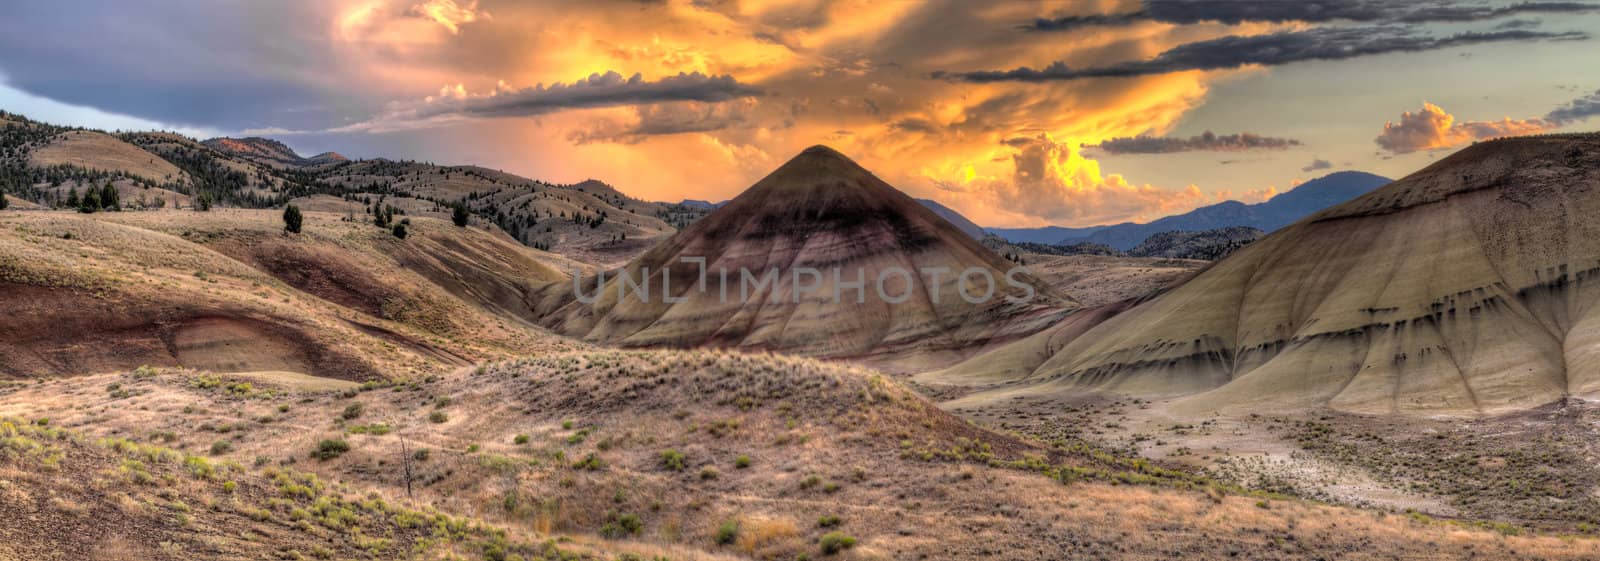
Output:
[[1463, 288], [819, 211], [229, 291], [589, 221]]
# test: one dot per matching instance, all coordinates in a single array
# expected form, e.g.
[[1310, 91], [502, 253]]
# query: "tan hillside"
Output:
[[69, 497], [102, 152], [654, 453], [819, 211], [1460, 289], [589, 222], [229, 291]]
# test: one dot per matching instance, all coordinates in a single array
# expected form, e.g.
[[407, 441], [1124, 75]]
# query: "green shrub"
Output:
[[221, 447], [727, 532], [828, 521], [330, 449], [590, 462], [673, 460], [353, 411], [621, 526], [834, 542], [438, 417], [741, 462], [520, 439]]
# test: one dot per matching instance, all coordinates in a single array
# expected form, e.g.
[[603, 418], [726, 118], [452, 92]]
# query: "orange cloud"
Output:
[[1051, 182], [850, 73], [1432, 128], [450, 14]]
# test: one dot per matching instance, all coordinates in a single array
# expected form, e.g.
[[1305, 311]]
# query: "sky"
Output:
[[1014, 113]]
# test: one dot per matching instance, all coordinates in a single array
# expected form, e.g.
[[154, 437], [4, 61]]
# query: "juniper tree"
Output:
[[292, 219], [89, 203], [109, 199]]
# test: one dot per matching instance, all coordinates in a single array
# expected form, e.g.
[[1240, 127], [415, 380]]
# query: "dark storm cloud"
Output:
[[1577, 109], [1322, 43], [912, 124], [1068, 23], [598, 90], [1365, 11], [187, 63], [1208, 142], [667, 119]]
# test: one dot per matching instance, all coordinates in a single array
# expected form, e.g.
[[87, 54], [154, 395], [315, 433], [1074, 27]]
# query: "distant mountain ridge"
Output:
[[1277, 212], [269, 151]]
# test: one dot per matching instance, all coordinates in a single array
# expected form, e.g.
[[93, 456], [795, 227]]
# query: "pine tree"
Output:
[[72, 197], [400, 231], [109, 199], [3, 202], [292, 219], [459, 215]]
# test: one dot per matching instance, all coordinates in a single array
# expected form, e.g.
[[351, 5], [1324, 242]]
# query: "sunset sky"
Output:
[[1015, 113]]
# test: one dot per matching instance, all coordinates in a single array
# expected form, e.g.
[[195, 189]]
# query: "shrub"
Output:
[[520, 439], [221, 447], [828, 521], [834, 542], [330, 449], [353, 411], [709, 473], [375, 429], [590, 462], [400, 231], [438, 417], [727, 532], [292, 219], [459, 215], [741, 462], [623, 525], [673, 460]]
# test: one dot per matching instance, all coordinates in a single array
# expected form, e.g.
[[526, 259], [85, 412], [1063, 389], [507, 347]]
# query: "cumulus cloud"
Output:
[[1433, 128], [1317, 164], [1234, 51], [1577, 109], [1053, 181], [598, 90], [1207, 142]]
